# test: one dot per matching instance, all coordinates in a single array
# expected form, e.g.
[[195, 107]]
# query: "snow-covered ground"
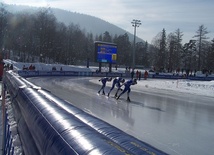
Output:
[[182, 85], [185, 86]]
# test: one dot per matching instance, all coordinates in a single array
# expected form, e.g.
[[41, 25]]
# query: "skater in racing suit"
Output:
[[127, 88], [104, 80], [116, 82]]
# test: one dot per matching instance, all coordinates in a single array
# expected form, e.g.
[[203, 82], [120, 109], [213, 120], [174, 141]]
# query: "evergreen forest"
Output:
[[39, 37]]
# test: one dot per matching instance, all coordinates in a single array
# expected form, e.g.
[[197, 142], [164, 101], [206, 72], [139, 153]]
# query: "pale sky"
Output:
[[187, 15]]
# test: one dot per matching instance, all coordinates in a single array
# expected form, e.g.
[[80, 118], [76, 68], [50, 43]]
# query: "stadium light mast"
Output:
[[135, 23]]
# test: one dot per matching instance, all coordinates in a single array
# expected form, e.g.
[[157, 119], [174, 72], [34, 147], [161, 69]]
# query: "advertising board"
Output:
[[105, 52]]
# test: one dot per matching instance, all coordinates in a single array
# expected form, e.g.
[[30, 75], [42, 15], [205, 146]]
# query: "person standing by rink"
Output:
[[127, 88], [116, 82], [146, 75], [104, 80]]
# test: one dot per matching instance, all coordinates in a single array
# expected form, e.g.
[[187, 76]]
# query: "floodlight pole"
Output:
[[135, 23]]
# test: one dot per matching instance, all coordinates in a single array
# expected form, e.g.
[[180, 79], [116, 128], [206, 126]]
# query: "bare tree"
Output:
[[3, 23], [45, 30], [145, 56]]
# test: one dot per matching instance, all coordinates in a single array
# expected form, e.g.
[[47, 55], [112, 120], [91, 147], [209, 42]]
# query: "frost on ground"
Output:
[[186, 86]]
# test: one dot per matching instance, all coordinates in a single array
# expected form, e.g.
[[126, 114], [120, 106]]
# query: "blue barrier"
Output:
[[49, 132], [167, 76], [49, 125], [201, 78], [158, 76], [126, 141], [26, 73]]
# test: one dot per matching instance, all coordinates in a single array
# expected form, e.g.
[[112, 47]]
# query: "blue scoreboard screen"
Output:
[[105, 52]]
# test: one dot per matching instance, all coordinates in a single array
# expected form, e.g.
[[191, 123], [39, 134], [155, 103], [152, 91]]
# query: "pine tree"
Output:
[[162, 63], [178, 48], [201, 38], [210, 57]]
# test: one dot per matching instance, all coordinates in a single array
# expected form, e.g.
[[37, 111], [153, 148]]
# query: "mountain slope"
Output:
[[89, 24]]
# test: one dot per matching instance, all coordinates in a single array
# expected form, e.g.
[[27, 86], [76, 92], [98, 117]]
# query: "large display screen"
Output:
[[105, 52]]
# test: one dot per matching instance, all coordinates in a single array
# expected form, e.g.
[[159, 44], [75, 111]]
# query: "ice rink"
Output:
[[177, 122]]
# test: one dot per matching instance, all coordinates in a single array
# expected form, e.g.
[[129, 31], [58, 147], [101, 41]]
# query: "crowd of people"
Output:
[[31, 67], [138, 74]]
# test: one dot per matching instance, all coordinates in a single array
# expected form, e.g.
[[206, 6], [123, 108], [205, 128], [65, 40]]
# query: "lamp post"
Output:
[[135, 23]]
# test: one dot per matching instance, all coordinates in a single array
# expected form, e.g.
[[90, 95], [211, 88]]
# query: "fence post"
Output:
[[12, 152], [10, 140], [4, 123], [8, 137]]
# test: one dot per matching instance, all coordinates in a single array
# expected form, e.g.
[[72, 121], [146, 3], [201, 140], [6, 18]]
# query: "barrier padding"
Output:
[[167, 76], [119, 137], [182, 77], [26, 137], [55, 127], [52, 127], [201, 78], [27, 73]]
